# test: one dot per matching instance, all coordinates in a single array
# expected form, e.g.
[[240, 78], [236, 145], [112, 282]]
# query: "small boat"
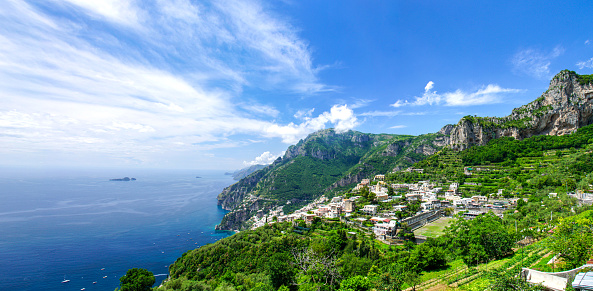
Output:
[[82, 289], [95, 282], [102, 269], [104, 277], [65, 281]]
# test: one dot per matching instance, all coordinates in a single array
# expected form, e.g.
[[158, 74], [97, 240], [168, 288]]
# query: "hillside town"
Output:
[[410, 205]]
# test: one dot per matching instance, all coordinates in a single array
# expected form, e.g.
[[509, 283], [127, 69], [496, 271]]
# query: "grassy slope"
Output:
[[435, 228]]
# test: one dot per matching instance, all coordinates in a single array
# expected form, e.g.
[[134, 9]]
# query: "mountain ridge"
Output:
[[566, 106], [562, 109]]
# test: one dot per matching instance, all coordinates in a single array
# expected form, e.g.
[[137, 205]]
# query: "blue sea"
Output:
[[64, 224]]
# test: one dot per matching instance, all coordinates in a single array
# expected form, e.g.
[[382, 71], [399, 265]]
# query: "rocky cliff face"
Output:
[[566, 106], [236, 219], [233, 195]]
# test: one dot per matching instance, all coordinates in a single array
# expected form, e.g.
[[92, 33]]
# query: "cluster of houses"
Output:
[[432, 200], [333, 209]]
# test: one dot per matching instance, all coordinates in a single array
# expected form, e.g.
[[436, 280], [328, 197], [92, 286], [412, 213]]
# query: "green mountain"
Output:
[[322, 163], [486, 253], [326, 161]]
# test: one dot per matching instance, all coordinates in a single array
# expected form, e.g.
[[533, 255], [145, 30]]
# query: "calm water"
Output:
[[64, 224]]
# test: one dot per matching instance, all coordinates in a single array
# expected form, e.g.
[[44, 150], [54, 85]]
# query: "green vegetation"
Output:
[[585, 79], [484, 253], [136, 280], [434, 229], [573, 239], [325, 158], [494, 122], [480, 240]]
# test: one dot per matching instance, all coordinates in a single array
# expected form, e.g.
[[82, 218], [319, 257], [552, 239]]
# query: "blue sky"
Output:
[[225, 84]]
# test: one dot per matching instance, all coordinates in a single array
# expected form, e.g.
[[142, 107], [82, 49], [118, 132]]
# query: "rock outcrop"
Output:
[[565, 107]]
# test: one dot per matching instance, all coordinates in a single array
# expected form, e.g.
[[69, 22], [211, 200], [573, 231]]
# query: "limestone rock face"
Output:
[[565, 107]]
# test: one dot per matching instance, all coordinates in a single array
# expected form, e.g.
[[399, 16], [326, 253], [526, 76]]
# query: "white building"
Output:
[[385, 228], [481, 199], [370, 209]]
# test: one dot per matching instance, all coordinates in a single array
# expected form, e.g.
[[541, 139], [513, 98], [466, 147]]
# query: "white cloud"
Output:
[[486, 95], [340, 116], [586, 64], [304, 113], [286, 56], [534, 62], [429, 97], [399, 126], [587, 41], [261, 109], [119, 11], [382, 113], [489, 94], [265, 158], [73, 88], [361, 103]]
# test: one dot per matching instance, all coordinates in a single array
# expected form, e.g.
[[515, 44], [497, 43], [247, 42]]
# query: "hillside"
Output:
[[324, 162], [327, 161], [486, 253]]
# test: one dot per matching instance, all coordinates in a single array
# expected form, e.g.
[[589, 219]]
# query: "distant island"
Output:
[[123, 179], [198, 177]]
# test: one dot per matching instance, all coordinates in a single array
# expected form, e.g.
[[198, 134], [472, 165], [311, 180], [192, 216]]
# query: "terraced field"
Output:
[[460, 276]]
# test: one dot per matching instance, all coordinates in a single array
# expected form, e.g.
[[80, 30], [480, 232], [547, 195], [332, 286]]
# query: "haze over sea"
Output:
[[58, 224]]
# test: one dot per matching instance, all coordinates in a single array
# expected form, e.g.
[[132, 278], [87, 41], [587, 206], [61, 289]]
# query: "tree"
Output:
[[281, 272], [481, 239], [137, 280], [356, 283], [351, 265], [573, 239], [364, 192], [429, 255], [390, 191], [320, 268]]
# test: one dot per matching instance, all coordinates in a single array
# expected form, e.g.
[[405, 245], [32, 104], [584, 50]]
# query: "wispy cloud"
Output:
[[259, 109], [119, 11], [398, 126], [489, 94], [534, 62], [382, 113], [585, 64], [150, 81], [359, 103]]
